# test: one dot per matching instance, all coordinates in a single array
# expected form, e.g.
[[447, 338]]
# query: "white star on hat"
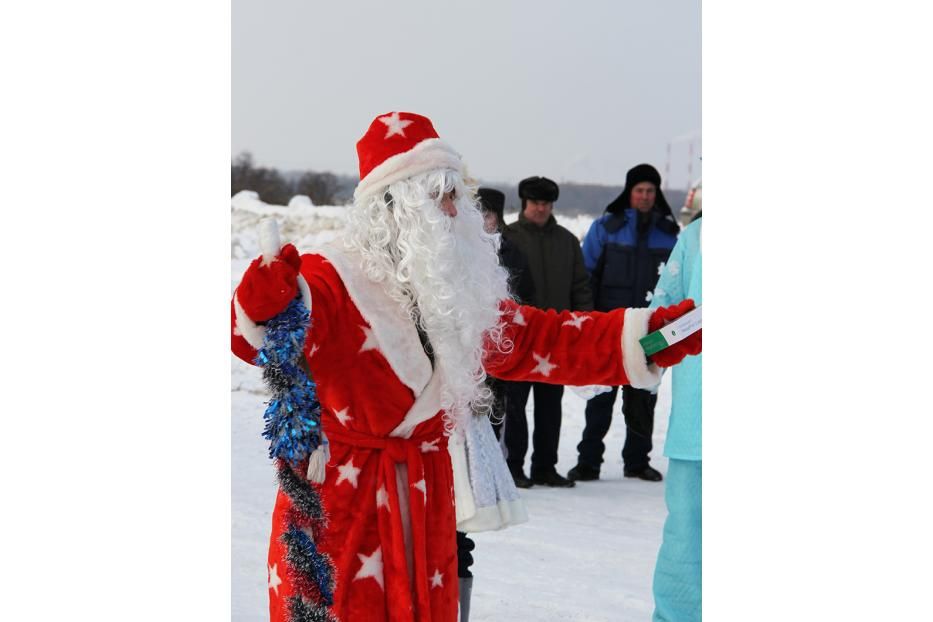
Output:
[[395, 125], [371, 567], [544, 366]]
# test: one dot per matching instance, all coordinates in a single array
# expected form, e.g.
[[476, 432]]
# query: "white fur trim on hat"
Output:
[[253, 332], [640, 374], [428, 155]]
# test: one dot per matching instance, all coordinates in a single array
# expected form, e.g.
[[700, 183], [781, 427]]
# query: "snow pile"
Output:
[[577, 225], [307, 225], [303, 224]]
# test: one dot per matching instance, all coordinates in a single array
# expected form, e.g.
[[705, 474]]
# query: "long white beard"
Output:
[[444, 272]]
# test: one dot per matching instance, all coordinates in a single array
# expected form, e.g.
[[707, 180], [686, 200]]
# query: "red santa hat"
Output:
[[398, 145]]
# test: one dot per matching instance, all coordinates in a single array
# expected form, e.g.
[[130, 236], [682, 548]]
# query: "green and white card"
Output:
[[679, 329]]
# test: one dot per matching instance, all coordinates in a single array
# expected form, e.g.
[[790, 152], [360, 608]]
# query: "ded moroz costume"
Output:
[[388, 379]]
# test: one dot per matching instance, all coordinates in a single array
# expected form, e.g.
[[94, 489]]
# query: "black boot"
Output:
[[518, 476], [583, 473], [646, 473], [551, 478]]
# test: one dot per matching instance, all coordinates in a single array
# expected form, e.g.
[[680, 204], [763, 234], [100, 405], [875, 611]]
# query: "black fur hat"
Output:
[[636, 175], [491, 200], [538, 189]]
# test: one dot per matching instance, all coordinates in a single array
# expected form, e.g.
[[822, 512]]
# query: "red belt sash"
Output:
[[397, 580]]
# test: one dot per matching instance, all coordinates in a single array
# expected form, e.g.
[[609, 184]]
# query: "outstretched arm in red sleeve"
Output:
[[574, 348]]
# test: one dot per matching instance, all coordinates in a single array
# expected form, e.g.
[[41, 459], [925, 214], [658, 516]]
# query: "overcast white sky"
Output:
[[577, 91]]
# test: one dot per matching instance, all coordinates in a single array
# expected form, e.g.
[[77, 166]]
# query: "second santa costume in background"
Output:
[[389, 488]]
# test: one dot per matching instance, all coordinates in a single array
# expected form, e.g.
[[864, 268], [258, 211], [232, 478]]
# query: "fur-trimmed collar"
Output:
[[394, 331]]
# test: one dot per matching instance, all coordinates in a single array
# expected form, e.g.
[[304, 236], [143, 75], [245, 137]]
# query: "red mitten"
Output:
[[266, 290], [692, 345]]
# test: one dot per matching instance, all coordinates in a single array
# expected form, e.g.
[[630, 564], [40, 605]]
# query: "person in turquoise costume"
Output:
[[678, 572]]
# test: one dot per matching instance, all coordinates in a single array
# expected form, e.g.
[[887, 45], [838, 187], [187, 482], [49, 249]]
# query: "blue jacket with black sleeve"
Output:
[[624, 254]]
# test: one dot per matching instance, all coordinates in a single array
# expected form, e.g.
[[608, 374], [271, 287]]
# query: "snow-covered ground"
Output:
[[586, 554]]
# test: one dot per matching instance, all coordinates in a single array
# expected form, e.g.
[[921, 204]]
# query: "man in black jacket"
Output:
[[561, 283]]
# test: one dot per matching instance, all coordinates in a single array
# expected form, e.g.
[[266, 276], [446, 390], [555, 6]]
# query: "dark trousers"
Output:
[[547, 425], [465, 546], [638, 410]]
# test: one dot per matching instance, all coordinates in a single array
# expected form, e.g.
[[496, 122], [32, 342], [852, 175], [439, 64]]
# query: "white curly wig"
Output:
[[443, 271]]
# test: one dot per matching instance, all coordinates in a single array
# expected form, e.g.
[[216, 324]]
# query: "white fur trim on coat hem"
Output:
[[505, 514], [253, 332], [640, 374], [428, 155]]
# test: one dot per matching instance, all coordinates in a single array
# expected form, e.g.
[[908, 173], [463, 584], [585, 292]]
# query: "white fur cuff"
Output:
[[253, 332], [640, 374]]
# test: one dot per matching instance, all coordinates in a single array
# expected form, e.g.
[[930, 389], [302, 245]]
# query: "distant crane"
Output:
[[692, 141]]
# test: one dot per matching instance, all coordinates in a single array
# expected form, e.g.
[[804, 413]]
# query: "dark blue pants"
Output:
[[638, 410], [547, 425]]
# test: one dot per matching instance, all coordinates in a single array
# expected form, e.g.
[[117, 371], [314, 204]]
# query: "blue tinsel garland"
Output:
[[293, 417], [304, 557], [293, 429]]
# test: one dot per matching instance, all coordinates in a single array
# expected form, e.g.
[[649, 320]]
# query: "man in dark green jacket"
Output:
[[561, 283]]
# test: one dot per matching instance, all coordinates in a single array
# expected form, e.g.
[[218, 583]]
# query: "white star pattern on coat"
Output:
[[438, 579], [370, 343], [660, 268], [519, 318], [577, 321], [420, 485], [382, 498], [673, 268], [658, 291], [342, 416], [274, 580], [649, 296], [348, 473], [395, 125], [544, 366], [428, 446], [371, 567]]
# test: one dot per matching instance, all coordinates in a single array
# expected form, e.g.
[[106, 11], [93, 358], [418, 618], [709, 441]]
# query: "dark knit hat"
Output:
[[491, 200], [636, 175], [538, 189]]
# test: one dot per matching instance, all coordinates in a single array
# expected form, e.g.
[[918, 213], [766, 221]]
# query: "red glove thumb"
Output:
[[289, 254], [266, 290]]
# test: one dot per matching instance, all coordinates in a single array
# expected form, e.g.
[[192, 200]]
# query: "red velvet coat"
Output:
[[389, 489]]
